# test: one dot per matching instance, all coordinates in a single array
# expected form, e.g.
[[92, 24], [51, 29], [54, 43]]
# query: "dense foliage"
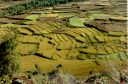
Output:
[[30, 5], [8, 63], [6, 0]]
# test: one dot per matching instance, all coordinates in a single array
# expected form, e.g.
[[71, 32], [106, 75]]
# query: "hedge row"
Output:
[[14, 9]]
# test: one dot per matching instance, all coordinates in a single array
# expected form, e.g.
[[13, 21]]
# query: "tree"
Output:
[[8, 59]]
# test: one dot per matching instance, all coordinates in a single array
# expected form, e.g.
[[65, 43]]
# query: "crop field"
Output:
[[81, 36]]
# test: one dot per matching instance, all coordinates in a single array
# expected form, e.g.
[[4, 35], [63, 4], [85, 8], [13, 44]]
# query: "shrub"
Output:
[[8, 58]]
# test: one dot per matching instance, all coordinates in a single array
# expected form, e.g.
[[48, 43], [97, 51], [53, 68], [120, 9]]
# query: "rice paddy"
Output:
[[79, 36]]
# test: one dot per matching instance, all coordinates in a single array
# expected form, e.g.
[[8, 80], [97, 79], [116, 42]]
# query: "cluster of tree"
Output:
[[31, 5], [6, 0], [8, 58]]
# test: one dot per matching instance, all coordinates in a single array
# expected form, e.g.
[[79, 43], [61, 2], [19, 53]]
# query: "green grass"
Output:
[[77, 22], [49, 15], [9, 25], [33, 17]]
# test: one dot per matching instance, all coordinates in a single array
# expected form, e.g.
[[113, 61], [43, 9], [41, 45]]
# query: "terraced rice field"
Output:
[[82, 37], [69, 44]]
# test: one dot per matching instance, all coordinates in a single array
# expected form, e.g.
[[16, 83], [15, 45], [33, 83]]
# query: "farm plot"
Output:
[[80, 34], [55, 41]]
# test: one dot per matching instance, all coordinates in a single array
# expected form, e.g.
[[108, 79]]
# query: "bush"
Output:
[[8, 59]]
